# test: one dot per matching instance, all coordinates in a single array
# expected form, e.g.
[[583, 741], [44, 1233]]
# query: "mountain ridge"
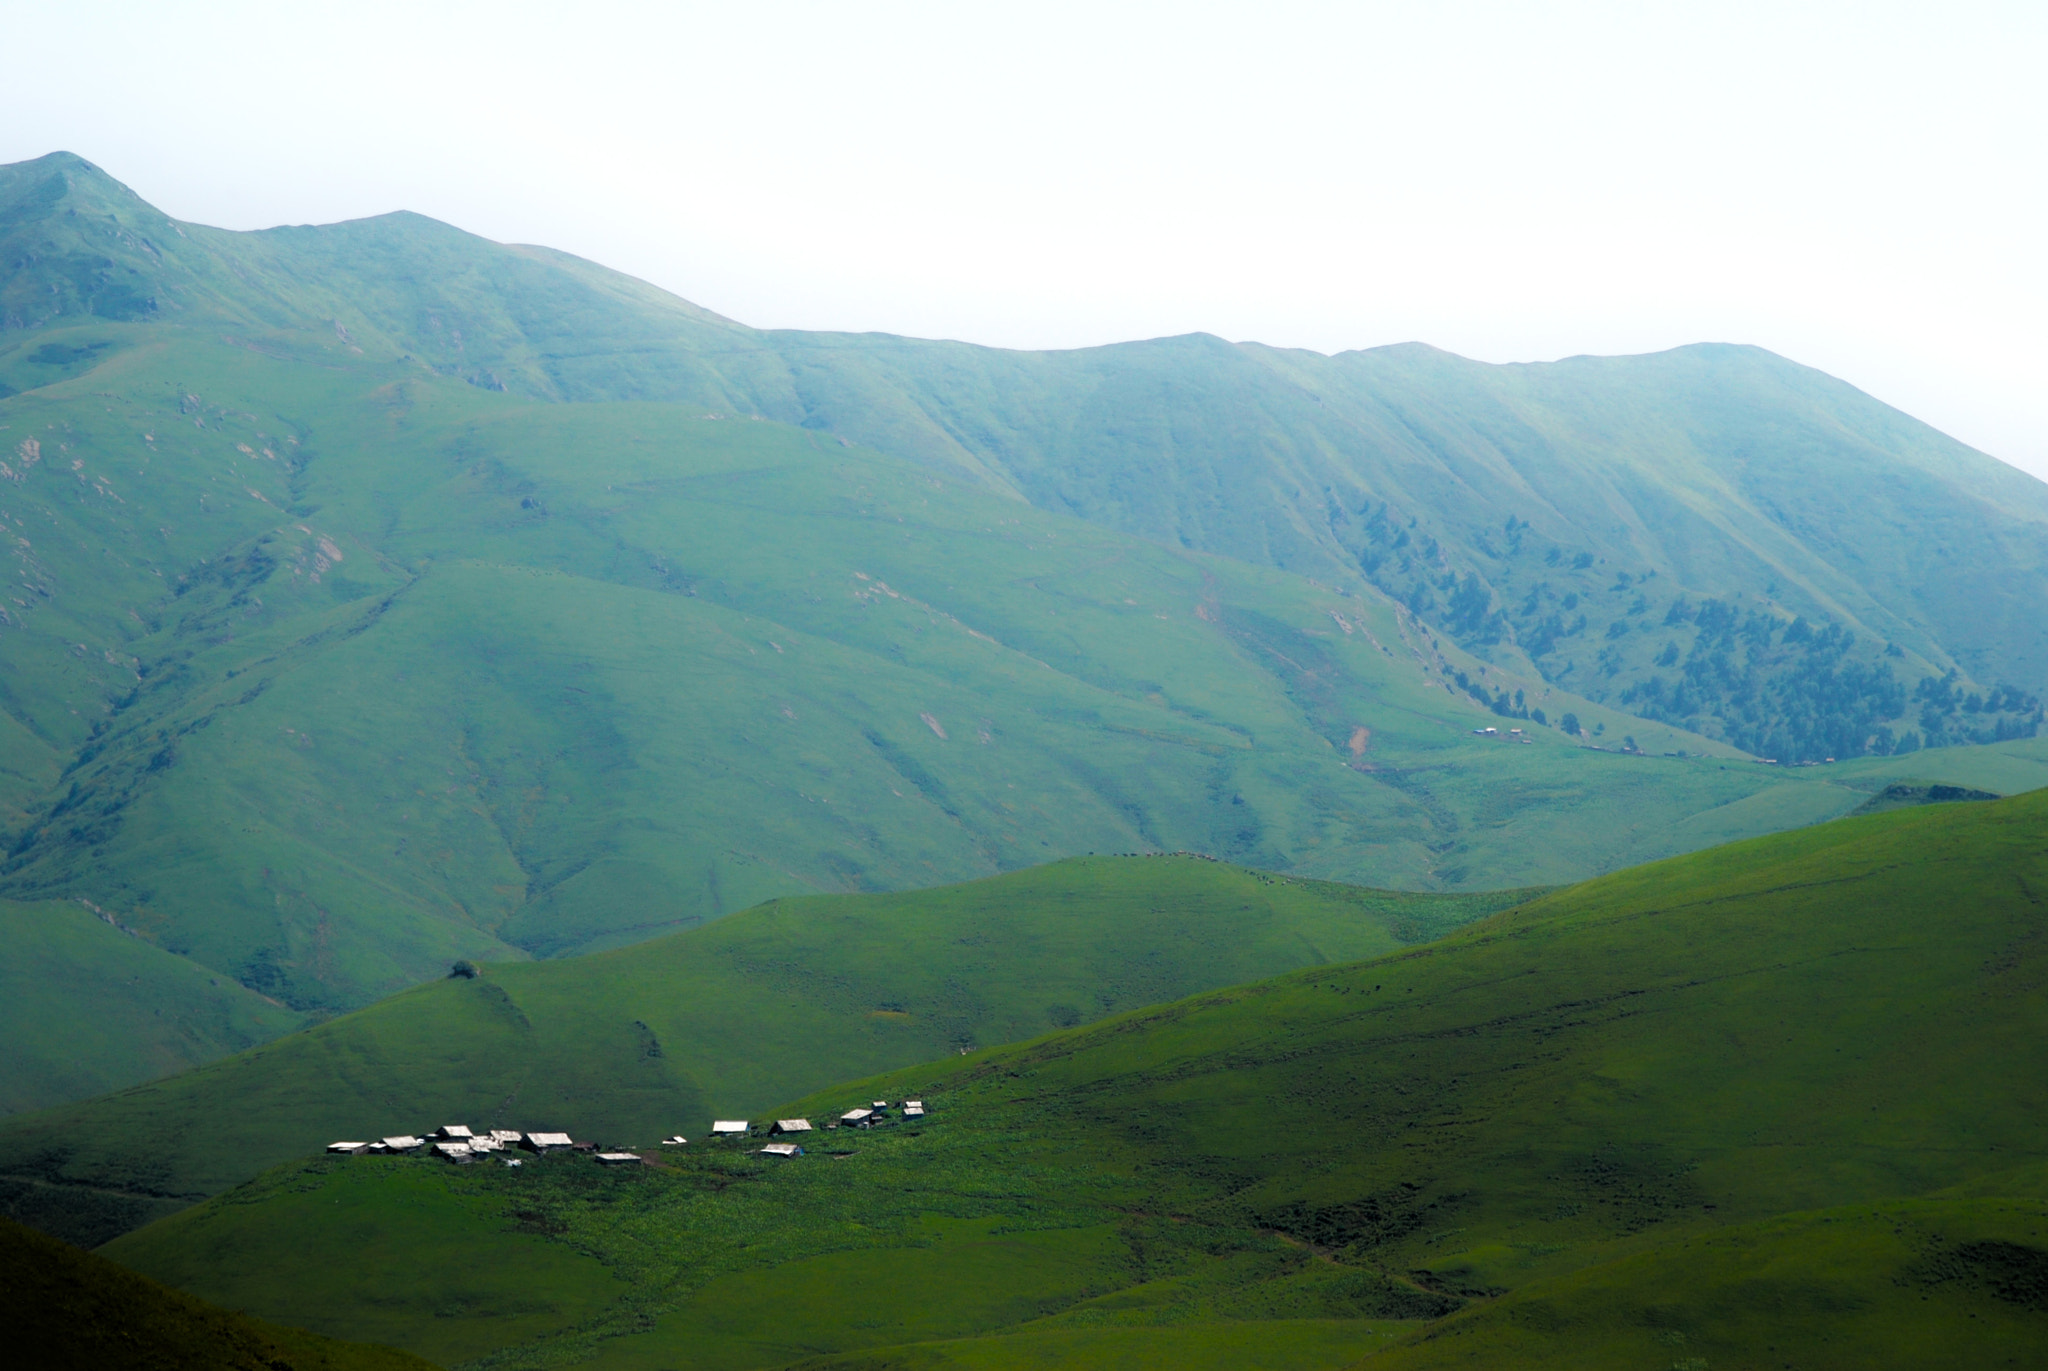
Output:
[[1470, 493]]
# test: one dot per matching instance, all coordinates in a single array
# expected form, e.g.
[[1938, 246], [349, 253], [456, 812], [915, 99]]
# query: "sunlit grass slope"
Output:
[[1901, 1282], [1805, 1070], [68, 1310], [657, 1038]]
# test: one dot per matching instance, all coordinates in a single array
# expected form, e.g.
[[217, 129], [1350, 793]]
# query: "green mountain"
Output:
[[1713, 536], [69, 1310], [1774, 1103], [384, 597], [655, 1039]]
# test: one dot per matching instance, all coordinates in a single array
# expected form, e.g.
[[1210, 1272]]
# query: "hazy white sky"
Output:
[[1863, 187]]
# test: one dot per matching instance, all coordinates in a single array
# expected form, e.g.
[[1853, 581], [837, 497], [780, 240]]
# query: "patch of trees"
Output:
[[1950, 715], [1793, 691], [1796, 691], [1515, 706]]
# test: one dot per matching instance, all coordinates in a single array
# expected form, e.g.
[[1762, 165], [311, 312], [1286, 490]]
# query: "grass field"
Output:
[[573, 677], [153, 1014], [1919, 1282], [69, 1310], [657, 1038], [1747, 1104]]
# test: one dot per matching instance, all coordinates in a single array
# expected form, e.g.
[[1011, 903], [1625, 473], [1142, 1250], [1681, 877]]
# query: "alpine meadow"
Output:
[[1202, 854]]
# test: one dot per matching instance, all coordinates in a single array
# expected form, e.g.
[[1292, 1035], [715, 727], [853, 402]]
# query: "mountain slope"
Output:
[[409, 671], [1589, 517], [1821, 1049], [151, 1013], [1675, 534], [68, 1309], [656, 1038], [351, 630]]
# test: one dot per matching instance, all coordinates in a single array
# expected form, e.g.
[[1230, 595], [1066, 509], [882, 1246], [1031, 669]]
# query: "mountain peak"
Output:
[[65, 183], [77, 242]]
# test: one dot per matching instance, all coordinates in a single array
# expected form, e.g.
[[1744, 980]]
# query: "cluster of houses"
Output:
[[868, 1116], [457, 1143]]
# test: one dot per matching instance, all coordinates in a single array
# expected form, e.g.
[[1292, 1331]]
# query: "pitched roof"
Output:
[[548, 1140], [782, 1149], [729, 1126], [346, 1146], [792, 1125]]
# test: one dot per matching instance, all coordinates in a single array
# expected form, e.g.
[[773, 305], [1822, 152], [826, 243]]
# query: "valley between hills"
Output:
[[1368, 859]]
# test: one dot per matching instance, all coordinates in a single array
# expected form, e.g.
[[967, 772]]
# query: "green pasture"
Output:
[[643, 1042], [153, 1014], [69, 1310], [454, 675], [1696, 1105], [1906, 1283], [382, 597]]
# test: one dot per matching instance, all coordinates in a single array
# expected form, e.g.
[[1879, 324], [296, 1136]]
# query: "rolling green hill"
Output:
[[456, 675], [656, 1038], [153, 1014], [69, 1310], [1774, 1103], [382, 597]]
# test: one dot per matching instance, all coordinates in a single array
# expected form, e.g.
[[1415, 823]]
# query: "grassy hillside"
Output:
[[69, 1310], [449, 674], [1672, 533], [660, 1037], [153, 1014], [382, 597], [1773, 1103], [1712, 536], [1919, 1282]]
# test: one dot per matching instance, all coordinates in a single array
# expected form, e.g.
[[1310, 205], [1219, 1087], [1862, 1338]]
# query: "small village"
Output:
[[463, 1146]]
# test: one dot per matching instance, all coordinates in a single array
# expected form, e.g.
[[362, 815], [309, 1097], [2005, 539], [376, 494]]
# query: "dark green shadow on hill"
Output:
[[68, 1310]]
